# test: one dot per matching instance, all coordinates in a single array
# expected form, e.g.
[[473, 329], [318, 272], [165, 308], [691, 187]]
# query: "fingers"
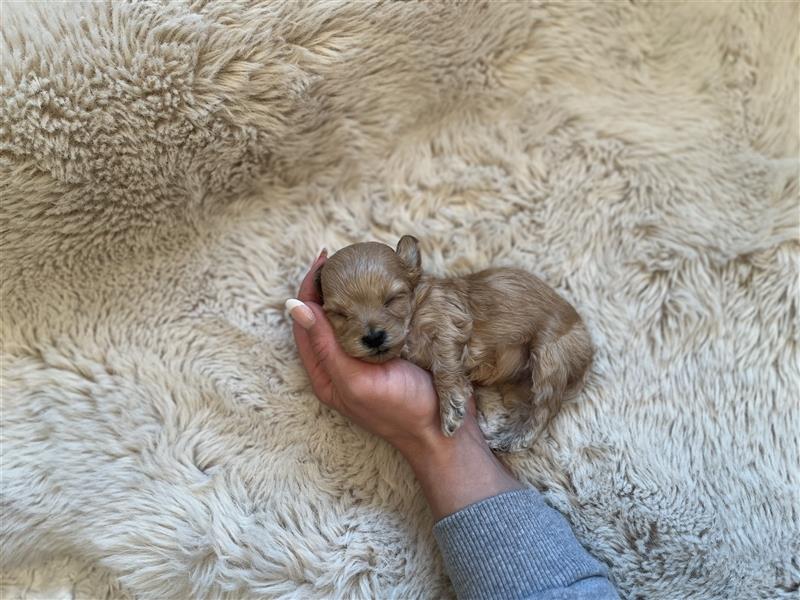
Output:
[[326, 349], [301, 314], [304, 318], [327, 364], [320, 380], [308, 291]]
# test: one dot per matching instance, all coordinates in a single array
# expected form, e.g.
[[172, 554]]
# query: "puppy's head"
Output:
[[367, 293]]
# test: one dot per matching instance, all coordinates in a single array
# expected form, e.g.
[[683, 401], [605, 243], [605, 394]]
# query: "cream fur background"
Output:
[[169, 170]]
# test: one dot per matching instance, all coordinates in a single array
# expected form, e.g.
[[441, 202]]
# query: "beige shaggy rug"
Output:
[[169, 171]]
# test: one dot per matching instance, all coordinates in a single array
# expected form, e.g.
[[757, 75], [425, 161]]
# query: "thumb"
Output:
[[322, 341]]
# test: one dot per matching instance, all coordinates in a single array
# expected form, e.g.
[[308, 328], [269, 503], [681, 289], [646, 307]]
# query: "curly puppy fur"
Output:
[[489, 328]]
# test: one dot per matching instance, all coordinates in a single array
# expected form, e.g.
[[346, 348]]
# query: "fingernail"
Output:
[[300, 313]]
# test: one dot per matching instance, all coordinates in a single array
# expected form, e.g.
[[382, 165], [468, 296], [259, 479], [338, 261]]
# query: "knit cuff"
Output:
[[511, 546]]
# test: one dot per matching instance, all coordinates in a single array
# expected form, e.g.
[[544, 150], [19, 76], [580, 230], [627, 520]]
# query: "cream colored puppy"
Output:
[[498, 326]]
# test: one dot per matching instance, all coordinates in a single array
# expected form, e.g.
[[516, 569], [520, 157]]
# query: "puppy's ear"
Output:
[[408, 250], [318, 284]]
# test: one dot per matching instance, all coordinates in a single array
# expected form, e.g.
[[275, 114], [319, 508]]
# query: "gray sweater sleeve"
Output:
[[515, 546]]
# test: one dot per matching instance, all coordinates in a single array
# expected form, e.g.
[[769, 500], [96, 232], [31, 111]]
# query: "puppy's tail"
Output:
[[558, 371]]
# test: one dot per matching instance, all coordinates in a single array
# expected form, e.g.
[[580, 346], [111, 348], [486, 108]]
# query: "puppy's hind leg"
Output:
[[558, 370], [549, 378], [532, 407], [505, 416]]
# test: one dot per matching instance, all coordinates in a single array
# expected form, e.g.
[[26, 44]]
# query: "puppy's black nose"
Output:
[[374, 339]]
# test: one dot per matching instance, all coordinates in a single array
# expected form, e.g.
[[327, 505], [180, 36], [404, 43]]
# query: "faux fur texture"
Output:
[[170, 169]]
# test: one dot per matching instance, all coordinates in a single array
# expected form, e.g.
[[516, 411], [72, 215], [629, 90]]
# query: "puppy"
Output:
[[499, 326]]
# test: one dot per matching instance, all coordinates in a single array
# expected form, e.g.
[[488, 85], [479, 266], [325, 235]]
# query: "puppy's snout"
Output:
[[374, 339]]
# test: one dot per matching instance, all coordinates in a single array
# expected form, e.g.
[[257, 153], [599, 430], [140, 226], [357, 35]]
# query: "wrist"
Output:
[[457, 471], [431, 447]]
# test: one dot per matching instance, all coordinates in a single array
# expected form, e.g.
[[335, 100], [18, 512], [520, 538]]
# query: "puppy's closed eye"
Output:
[[337, 313], [394, 299]]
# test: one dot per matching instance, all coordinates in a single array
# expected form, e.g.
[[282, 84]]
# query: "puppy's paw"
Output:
[[451, 420], [452, 407]]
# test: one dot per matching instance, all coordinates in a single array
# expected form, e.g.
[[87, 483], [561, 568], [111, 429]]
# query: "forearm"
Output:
[[514, 546], [498, 539], [458, 471]]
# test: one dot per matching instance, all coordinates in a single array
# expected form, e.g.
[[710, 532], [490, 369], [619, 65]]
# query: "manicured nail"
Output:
[[300, 313]]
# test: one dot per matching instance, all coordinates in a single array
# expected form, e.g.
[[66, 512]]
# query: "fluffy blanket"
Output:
[[169, 171]]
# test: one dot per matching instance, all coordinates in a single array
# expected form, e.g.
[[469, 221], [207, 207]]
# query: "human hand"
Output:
[[396, 400]]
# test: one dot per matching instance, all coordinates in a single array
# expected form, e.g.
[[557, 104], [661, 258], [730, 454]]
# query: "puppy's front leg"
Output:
[[452, 386]]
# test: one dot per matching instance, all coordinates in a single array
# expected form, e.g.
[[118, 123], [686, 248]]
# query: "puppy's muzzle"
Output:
[[374, 339]]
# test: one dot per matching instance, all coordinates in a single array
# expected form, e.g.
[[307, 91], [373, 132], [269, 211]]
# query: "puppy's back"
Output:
[[512, 305]]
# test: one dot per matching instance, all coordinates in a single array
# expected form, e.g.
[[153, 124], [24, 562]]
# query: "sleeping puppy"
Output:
[[498, 326]]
